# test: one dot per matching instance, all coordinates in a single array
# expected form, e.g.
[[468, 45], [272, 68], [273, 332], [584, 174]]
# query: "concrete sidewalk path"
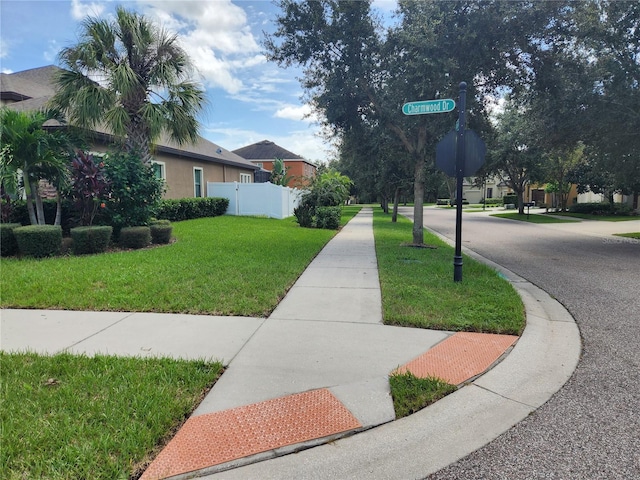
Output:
[[316, 372]]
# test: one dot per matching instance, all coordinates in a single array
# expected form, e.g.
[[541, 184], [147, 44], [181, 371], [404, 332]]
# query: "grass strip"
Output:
[[531, 218], [629, 235], [102, 417], [218, 266], [603, 218], [411, 394], [418, 288]]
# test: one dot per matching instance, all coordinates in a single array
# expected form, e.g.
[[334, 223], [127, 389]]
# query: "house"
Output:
[[186, 168], [262, 154], [474, 190]]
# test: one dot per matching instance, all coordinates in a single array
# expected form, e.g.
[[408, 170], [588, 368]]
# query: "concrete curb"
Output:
[[541, 362]]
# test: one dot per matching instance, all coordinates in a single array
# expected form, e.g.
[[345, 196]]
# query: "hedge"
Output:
[[8, 243], [190, 208], [604, 208], [88, 240], [328, 217], [161, 231], [39, 240], [135, 237]]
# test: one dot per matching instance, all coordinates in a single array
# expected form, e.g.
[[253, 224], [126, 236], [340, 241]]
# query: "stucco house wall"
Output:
[[31, 89]]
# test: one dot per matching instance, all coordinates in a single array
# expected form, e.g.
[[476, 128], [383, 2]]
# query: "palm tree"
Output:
[[36, 153], [132, 77]]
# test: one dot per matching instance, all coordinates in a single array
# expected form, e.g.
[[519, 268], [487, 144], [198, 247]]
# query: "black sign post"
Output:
[[460, 159], [460, 154]]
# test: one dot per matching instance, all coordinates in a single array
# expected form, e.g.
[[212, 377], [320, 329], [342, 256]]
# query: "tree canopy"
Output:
[[132, 77]]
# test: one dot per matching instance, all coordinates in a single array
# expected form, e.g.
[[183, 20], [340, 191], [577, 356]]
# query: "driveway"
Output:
[[591, 428]]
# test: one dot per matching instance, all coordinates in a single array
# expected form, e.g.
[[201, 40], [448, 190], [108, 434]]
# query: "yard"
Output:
[[60, 416]]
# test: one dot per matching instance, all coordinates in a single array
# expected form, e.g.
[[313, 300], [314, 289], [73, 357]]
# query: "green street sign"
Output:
[[429, 106]]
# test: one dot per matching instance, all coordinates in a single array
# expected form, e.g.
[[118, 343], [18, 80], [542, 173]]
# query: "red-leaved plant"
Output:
[[89, 186]]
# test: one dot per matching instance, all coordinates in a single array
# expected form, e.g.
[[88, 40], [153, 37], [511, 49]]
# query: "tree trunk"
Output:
[[418, 200], [58, 220], [520, 202], [384, 204], [138, 141], [396, 200], [28, 191], [39, 206], [635, 201]]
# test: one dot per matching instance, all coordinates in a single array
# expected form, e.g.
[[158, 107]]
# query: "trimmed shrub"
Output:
[[87, 240], [604, 208], [8, 243], [39, 240], [135, 237], [176, 210], [161, 231], [493, 201], [507, 199], [328, 217]]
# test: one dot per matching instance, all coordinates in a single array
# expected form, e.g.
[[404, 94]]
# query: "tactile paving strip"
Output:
[[219, 437], [460, 357]]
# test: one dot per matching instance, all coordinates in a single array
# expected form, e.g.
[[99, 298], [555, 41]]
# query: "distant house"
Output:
[[262, 154], [186, 168]]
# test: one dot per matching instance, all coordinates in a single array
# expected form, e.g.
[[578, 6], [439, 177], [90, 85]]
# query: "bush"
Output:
[[135, 237], [604, 208], [135, 191], [19, 213], [8, 243], [89, 188], [190, 208], [87, 240], [161, 231], [304, 214], [493, 201], [39, 240], [507, 199], [328, 217]]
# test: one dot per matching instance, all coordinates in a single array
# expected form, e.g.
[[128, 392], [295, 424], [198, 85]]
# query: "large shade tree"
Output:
[[131, 77], [356, 73], [608, 32]]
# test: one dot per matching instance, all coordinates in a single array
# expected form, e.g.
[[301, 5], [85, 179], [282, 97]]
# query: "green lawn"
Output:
[[603, 218], [634, 235], [69, 417], [418, 288], [218, 266], [75, 417], [531, 218]]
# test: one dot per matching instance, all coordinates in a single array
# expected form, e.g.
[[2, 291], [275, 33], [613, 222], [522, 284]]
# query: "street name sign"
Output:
[[429, 106]]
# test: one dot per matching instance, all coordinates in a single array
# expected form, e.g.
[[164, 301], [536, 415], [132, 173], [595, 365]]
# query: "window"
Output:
[[245, 178], [259, 164], [489, 192], [197, 182], [159, 170]]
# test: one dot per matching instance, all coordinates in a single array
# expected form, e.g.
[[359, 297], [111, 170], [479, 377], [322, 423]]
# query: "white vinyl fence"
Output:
[[260, 199]]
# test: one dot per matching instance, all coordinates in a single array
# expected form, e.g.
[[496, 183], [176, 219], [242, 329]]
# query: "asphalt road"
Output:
[[590, 429]]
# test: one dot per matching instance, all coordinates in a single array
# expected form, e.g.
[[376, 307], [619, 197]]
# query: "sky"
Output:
[[248, 98]]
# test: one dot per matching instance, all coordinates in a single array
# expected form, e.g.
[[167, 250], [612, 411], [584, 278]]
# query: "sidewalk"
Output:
[[316, 373]]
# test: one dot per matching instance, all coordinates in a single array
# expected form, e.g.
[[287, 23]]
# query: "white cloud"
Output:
[[80, 10], [51, 52], [297, 112], [4, 48], [216, 35]]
